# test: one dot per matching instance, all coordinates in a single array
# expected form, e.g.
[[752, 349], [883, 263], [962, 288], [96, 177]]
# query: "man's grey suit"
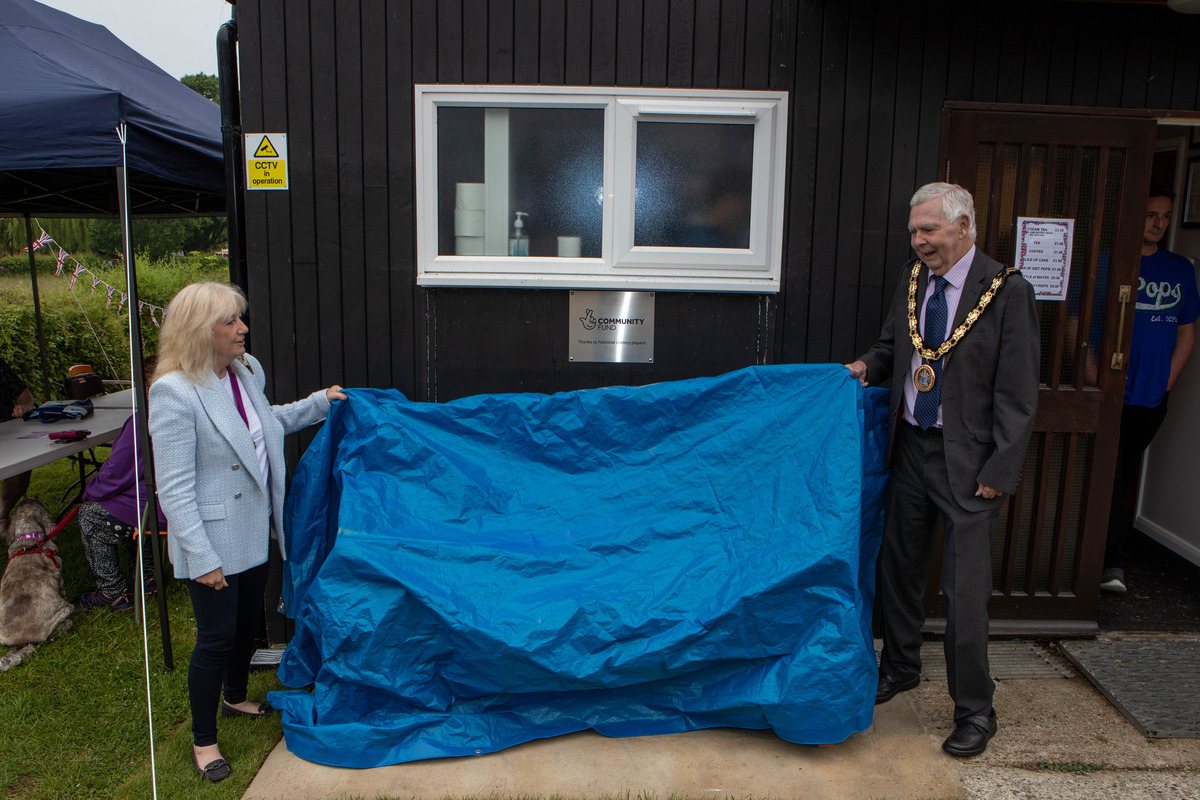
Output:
[[989, 400], [220, 512]]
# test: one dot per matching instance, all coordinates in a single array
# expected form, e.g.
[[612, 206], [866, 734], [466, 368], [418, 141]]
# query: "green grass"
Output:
[[73, 717]]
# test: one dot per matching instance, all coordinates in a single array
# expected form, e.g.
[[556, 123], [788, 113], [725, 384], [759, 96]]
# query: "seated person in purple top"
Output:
[[108, 519]]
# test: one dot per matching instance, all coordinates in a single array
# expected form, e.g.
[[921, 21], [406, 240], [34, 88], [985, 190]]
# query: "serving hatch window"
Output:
[[545, 163], [582, 187]]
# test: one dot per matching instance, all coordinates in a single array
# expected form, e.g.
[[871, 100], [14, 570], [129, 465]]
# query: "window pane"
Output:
[[555, 175], [693, 184]]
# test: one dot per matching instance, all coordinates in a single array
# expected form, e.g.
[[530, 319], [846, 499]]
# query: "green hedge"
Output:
[[73, 336], [79, 329], [18, 266]]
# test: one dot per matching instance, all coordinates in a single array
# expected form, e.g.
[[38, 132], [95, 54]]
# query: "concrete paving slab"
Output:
[[896, 758], [1058, 722], [1000, 783]]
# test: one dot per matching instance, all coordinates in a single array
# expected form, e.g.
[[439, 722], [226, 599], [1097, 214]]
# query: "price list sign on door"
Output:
[[1044, 249]]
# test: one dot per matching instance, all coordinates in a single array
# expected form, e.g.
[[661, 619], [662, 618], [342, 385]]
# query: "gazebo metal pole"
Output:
[[37, 308], [142, 432], [231, 136]]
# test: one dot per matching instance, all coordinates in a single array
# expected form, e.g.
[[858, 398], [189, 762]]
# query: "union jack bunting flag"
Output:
[[38, 242]]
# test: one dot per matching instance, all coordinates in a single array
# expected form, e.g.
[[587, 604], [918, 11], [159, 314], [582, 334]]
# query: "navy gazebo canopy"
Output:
[[67, 86]]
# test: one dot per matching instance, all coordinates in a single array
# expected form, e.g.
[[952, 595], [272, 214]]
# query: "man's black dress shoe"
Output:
[[971, 736], [889, 687]]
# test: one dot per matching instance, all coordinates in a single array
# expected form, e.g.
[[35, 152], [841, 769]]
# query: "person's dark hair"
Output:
[[1162, 191]]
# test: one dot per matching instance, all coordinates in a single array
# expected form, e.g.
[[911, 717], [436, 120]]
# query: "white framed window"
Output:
[[600, 188]]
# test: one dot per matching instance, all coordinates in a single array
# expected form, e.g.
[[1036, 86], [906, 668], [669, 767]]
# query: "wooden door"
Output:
[[1093, 168]]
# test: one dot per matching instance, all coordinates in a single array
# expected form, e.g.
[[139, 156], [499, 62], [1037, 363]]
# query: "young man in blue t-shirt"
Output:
[[1164, 332]]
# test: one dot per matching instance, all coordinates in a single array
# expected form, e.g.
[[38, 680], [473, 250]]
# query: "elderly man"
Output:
[[961, 340]]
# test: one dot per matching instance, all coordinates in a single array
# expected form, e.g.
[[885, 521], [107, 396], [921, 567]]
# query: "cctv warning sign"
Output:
[[266, 161]]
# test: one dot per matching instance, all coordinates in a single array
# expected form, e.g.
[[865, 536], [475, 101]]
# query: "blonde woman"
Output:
[[218, 453]]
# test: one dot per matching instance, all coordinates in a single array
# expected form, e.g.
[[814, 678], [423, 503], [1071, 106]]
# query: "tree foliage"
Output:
[[158, 238], [69, 234], [206, 85]]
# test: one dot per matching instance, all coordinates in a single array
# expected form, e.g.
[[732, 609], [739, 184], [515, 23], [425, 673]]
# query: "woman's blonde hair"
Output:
[[186, 341]]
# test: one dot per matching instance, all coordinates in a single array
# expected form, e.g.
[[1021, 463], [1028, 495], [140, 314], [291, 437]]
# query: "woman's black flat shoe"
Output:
[[214, 771], [264, 710]]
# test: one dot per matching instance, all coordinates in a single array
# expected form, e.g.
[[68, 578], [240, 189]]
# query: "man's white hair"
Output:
[[956, 202]]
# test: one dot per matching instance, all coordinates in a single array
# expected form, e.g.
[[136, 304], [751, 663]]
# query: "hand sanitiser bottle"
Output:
[[518, 243]]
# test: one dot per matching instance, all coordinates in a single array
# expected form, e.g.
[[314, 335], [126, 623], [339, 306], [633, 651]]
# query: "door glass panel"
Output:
[[1046, 524], [553, 171], [692, 185], [1007, 219], [1062, 182], [1078, 347], [1063, 497], [1057, 443], [1023, 512], [1084, 445], [1079, 270], [1037, 181], [1090, 267], [1086, 219], [1108, 228], [983, 188]]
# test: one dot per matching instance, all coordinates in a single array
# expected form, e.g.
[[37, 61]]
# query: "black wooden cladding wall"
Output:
[[332, 261]]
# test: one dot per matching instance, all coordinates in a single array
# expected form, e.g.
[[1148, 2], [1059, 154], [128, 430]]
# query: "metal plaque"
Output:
[[612, 326]]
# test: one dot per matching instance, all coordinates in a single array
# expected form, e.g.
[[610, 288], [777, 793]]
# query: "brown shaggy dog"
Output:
[[33, 605]]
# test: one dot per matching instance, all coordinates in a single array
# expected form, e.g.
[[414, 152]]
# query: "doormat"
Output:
[[1152, 681], [1009, 660]]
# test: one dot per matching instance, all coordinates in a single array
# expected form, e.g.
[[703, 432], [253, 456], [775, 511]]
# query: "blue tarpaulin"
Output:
[[471, 575]]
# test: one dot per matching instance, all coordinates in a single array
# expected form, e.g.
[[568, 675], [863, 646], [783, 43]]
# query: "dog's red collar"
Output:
[[43, 539], [50, 554]]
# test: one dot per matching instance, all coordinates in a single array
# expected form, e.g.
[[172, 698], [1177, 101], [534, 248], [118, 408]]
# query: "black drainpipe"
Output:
[[231, 134]]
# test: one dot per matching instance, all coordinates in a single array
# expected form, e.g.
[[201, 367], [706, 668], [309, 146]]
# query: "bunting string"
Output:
[[47, 241]]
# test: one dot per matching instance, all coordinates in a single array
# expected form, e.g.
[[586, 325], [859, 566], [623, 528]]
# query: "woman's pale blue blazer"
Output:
[[220, 512]]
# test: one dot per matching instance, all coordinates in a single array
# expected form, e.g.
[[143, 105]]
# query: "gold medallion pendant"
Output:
[[924, 378]]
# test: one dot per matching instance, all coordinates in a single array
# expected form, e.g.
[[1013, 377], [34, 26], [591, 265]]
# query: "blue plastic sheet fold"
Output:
[[471, 575]]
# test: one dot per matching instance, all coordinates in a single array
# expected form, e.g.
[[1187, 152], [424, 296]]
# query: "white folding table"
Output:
[[17, 455]]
